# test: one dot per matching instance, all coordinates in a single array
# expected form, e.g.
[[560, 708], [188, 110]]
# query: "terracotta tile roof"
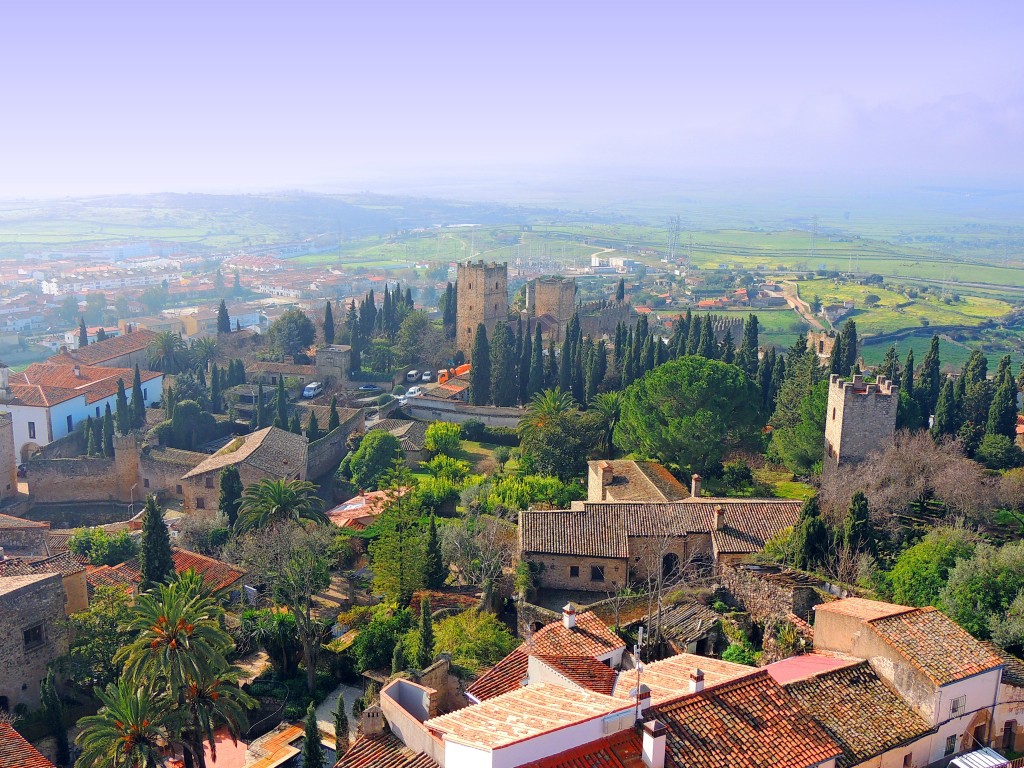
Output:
[[18, 523], [411, 434], [15, 752], [641, 481], [108, 349], [57, 541], [670, 678], [44, 384], [586, 671], [749, 722], [382, 751], [859, 711], [749, 524], [216, 574], [106, 576], [360, 511], [862, 608], [275, 747], [621, 750], [807, 665], [274, 451], [1013, 669], [323, 414], [505, 676], [64, 563], [522, 714], [589, 533], [935, 644]]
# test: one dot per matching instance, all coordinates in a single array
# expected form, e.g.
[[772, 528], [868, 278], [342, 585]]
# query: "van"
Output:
[[313, 389], [426, 376], [412, 376]]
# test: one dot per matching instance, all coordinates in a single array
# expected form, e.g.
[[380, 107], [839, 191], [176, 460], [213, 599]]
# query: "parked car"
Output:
[[414, 392], [427, 376], [313, 389], [369, 388], [413, 375]]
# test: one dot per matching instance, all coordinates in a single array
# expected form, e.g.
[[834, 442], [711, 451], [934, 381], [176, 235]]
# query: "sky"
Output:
[[99, 96]]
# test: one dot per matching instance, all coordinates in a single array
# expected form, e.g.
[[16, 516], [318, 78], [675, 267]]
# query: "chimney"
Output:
[[372, 721], [654, 744], [696, 681], [695, 484], [606, 473], [569, 616], [643, 698], [719, 517], [77, 370]]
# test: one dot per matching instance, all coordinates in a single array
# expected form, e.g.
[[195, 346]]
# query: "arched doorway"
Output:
[[28, 450], [670, 566]]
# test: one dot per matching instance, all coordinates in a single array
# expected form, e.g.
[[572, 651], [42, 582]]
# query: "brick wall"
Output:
[[33, 604]]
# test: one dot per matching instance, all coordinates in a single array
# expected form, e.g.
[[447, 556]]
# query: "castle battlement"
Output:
[[860, 419], [482, 298], [881, 387]]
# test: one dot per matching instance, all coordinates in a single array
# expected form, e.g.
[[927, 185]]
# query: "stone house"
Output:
[[627, 480], [22, 537], [32, 634], [412, 436], [70, 568], [266, 453]]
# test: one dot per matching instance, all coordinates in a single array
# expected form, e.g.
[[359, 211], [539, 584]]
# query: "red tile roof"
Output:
[[507, 675], [862, 608], [15, 752], [808, 665], [217, 574], [749, 722], [621, 750], [586, 671], [108, 349], [935, 644], [382, 751], [45, 384]]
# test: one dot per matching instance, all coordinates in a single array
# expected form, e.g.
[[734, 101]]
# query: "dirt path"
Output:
[[800, 306]]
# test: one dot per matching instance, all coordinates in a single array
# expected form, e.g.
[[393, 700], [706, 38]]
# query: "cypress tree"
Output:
[[215, 389], [108, 433], [156, 565], [946, 417], [97, 436], [53, 711], [312, 428], [930, 379], [620, 290], [328, 324], [728, 347], [352, 325], [837, 360], [620, 343], [746, 357], [334, 420], [124, 415], [434, 571], [425, 647], [908, 375], [602, 361], [567, 359], [579, 389], [223, 319], [480, 373], [849, 337], [503, 366], [778, 376], [294, 425], [551, 374], [282, 405], [1002, 414], [890, 365], [1003, 371], [525, 364], [341, 732], [399, 661], [811, 536], [706, 347], [83, 334], [312, 751], [90, 437], [138, 404], [536, 382], [858, 534], [231, 490], [261, 410]]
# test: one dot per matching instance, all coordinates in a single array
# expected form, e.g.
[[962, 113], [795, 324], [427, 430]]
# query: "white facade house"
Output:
[[71, 338], [48, 400]]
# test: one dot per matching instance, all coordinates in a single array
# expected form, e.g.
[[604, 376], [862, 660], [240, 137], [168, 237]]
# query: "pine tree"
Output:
[[334, 420], [281, 422], [536, 382], [947, 421], [746, 357], [341, 733], [231, 490], [620, 290], [312, 428], [525, 363], [480, 373], [728, 347], [328, 324], [858, 534], [312, 751], [108, 433], [294, 425], [223, 318], [83, 334], [138, 403], [156, 565], [53, 712], [124, 415], [425, 647], [434, 571]]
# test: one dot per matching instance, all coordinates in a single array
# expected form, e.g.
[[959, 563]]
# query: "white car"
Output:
[[414, 392], [426, 376], [313, 389]]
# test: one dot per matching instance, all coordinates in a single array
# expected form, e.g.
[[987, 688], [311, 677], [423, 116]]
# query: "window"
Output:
[[145, 482], [574, 571], [33, 637], [97, 411], [70, 425], [200, 502], [597, 573], [273, 379], [145, 393], [32, 430], [209, 481], [950, 745], [958, 706], [177, 489], [833, 414]]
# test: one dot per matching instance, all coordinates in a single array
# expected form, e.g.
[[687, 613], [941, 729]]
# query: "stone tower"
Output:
[[554, 296], [483, 298], [861, 419]]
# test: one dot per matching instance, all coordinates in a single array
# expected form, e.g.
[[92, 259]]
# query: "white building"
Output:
[[71, 338], [47, 400]]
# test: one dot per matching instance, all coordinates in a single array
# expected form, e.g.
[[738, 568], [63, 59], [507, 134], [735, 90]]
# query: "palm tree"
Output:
[[130, 730], [269, 502], [178, 637], [607, 406], [166, 351], [210, 702], [544, 409], [203, 351]]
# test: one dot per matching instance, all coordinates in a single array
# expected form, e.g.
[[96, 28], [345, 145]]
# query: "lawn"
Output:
[[783, 483]]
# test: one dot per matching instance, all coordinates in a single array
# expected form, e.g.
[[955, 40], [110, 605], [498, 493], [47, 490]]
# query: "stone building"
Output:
[[483, 298], [821, 343], [860, 419], [32, 634], [554, 299], [600, 318], [8, 464], [21, 537], [628, 480], [72, 572]]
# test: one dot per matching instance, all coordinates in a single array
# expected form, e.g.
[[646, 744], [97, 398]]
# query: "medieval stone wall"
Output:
[[600, 319], [324, 455], [29, 542], [32, 634], [433, 409], [482, 298], [86, 478], [860, 419], [161, 470]]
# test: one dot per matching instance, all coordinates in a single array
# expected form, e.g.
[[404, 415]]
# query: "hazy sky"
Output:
[[222, 95]]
